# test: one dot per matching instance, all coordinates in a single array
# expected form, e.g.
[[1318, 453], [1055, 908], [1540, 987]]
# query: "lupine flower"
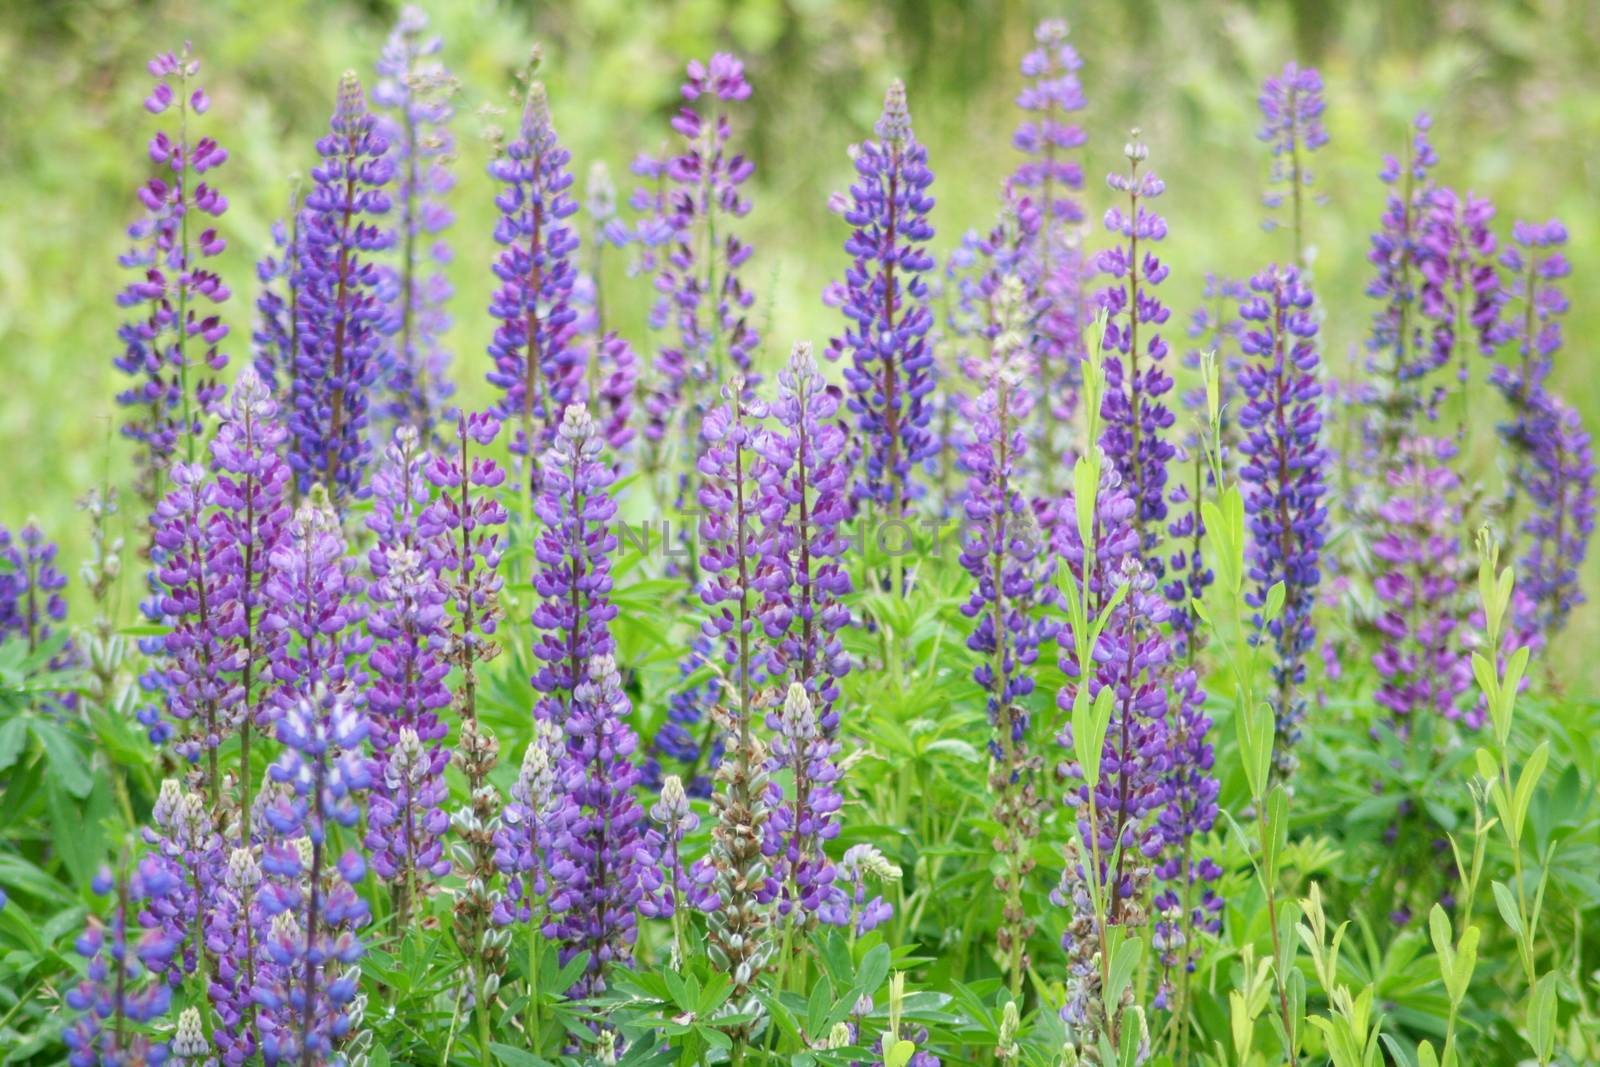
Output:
[[1185, 905], [1000, 545], [186, 841], [736, 888], [1423, 665], [1282, 474], [535, 360], [1291, 123], [1559, 482], [275, 338], [462, 522], [314, 609], [700, 297], [119, 991], [604, 858], [1132, 658], [573, 550], [405, 819], [1399, 350], [884, 299], [801, 580], [804, 817], [415, 88], [1460, 292], [314, 908], [732, 550], [340, 314], [232, 938], [1136, 418], [1001, 550], [1535, 266], [204, 657], [178, 329], [251, 483], [528, 824], [677, 821], [1052, 266], [855, 907], [30, 586]]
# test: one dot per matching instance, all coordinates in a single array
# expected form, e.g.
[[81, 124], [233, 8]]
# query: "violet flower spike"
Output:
[[884, 299], [204, 657], [414, 89], [30, 586], [536, 361], [171, 347], [1135, 417], [805, 815], [573, 553], [341, 314], [406, 820], [803, 475], [604, 862], [701, 299], [1291, 124], [119, 990], [1282, 475]]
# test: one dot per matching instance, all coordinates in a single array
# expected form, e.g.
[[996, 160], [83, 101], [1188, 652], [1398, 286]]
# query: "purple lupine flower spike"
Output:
[[315, 910], [805, 813], [188, 845], [204, 694], [1281, 469], [341, 314], [30, 586], [535, 360], [1000, 546], [1399, 352], [234, 942], [406, 820], [573, 551], [1052, 267], [804, 490], [1554, 466], [604, 862], [677, 820], [251, 489], [276, 337], [885, 300], [528, 826], [1460, 292], [1559, 484], [172, 348], [314, 610], [734, 881], [701, 299], [119, 991], [415, 89], [1136, 418], [1423, 665], [1291, 124], [463, 523]]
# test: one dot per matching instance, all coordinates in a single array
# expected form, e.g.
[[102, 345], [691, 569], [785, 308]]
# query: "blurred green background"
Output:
[[1512, 87]]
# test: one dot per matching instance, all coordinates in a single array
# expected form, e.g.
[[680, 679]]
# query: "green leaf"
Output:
[[899, 1054], [67, 765], [516, 1057], [1274, 605], [1542, 1017], [1507, 905], [817, 1007], [1527, 782], [1123, 963], [13, 739]]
